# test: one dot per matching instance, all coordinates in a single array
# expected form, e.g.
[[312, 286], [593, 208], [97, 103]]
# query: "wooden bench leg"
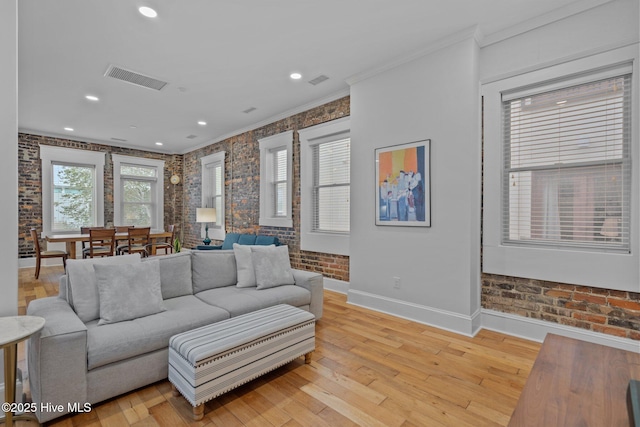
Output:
[[307, 357], [198, 412], [174, 391]]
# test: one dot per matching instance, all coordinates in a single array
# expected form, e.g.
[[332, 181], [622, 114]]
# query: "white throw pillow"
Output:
[[128, 293], [272, 267]]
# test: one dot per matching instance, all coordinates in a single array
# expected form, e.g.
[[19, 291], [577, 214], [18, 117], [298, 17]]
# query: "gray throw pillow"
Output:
[[175, 274], [272, 267], [82, 289], [130, 292], [244, 264]]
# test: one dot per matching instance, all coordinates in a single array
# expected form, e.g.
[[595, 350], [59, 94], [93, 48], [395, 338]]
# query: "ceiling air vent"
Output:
[[134, 78], [318, 79], [250, 109], [192, 136], [119, 139]]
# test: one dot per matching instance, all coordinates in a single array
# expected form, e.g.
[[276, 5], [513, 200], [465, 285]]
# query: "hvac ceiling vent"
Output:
[[250, 109], [318, 79], [134, 78], [192, 136], [119, 139]]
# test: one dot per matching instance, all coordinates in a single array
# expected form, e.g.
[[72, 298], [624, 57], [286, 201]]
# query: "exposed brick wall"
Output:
[[30, 183], [600, 310], [242, 188]]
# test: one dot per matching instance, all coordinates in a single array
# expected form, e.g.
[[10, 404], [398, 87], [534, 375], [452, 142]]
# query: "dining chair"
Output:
[[167, 245], [45, 254], [121, 229], [137, 241], [85, 230], [101, 242]]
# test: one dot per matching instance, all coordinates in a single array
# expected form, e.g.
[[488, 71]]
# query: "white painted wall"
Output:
[[9, 158], [434, 97], [597, 29]]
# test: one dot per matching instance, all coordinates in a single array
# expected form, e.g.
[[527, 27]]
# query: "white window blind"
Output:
[[567, 171], [331, 186], [279, 156]]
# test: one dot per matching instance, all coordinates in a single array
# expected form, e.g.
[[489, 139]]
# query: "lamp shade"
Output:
[[205, 214]]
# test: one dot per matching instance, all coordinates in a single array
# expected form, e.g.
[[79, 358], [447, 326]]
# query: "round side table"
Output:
[[13, 330]]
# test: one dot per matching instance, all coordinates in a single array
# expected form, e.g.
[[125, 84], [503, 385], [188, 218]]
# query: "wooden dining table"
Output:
[[71, 239]]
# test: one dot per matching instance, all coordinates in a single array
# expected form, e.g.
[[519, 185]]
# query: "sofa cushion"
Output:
[[267, 240], [213, 269], [247, 239], [119, 341], [229, 240], [82, 288], [272, 267], [239, 301], [175, 274], [128, 293]]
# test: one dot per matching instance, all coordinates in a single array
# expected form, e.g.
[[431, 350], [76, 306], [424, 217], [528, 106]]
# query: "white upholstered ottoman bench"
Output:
[[209, 361]]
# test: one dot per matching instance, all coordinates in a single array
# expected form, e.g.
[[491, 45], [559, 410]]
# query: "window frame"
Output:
[[310, 240], [208, 165], [268, 147], [157, 219], [50, 155], [611, 270]]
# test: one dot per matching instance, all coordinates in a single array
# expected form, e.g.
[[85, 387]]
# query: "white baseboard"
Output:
[[334, 285], [536, 330], [450, 321]]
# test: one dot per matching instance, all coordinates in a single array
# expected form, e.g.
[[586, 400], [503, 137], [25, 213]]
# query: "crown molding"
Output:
[[272, 119], [450, 40], [84, 140], [542, 20]]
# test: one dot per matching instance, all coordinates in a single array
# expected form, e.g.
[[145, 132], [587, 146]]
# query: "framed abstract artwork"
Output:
[[403, 185]]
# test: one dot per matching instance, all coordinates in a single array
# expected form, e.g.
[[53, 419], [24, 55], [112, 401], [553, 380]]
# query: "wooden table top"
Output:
[[577, 383], [76, 237]]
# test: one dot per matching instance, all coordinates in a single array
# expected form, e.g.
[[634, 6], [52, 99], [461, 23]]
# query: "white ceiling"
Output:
[[222, 57]]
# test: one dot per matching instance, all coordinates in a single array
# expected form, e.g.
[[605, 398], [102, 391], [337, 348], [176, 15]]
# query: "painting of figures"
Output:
[[403, 185]]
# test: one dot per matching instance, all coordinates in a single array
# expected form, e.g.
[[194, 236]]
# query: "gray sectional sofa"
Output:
[[107, 332]]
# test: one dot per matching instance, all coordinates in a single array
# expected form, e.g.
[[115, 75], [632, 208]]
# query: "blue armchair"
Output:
[[242, 239]]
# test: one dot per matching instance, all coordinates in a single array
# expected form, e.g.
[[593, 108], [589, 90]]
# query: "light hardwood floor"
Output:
[[369, 369]]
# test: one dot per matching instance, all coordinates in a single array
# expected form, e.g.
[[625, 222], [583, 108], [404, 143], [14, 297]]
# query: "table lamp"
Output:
[[206, 215]]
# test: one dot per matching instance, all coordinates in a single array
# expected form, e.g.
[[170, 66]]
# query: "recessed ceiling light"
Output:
[[133, 127], [159, 143], [295, 76], [68, 129], [561, 102], [148, 12], [202, 123], [92, 97]]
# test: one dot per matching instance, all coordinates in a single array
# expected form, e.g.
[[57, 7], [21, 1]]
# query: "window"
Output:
[[325, 187], [560, 194], [138, 192], [567, 174], [275, 180], [213, 192], [72, 189]]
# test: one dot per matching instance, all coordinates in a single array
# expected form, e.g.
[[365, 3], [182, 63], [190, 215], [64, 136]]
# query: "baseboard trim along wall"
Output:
[[536, 330], [447, 320], [335, 285]]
